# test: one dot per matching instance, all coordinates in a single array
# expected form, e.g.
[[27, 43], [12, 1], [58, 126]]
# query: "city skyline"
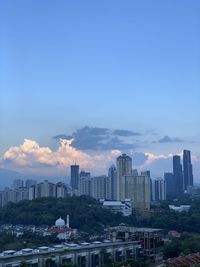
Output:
[[85, 82]]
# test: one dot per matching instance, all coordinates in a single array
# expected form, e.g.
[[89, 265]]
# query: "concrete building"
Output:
[[30, 183], [170, 184], [61, 190], [74, 177], [45, 189], [137, 188], [17, 183], [178, 174], [187, 169], [180, 208], [150, 239], [98, 187], [112, 183], [123, 207], [124, 167], [158, 189], [81, 255], [84, 184]]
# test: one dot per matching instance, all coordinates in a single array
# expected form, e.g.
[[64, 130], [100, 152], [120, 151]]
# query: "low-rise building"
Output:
[[180, 208], [82, 255], [124, 207], [151, 239]]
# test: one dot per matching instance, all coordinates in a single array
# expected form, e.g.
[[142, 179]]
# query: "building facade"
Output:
[[124, 167], [187, 169]]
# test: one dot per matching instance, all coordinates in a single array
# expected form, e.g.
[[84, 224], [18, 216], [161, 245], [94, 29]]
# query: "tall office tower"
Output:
[[112, 183], [74, 177], [158, 190], [98, 187], [17, 183], [84, 187], [178, 174], [187, 169], [170, 185], [137, 188], [124, 167]]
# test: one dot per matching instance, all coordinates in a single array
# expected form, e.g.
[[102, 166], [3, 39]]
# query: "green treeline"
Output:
[[86, 214]]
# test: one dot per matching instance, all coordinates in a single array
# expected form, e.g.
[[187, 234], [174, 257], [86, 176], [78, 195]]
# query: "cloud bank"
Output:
[[33, 158], [30, 157], [96, 138]]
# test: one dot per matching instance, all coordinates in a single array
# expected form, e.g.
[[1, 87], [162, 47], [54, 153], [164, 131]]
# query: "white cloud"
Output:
[[31, 157]]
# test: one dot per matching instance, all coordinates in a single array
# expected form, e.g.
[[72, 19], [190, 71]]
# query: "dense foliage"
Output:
[[170, 220], [182, 246], [86, 214]]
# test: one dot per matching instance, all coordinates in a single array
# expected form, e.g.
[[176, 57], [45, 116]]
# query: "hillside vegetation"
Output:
[[86, 214]]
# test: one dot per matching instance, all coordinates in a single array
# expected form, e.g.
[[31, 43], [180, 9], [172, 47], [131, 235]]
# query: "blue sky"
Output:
[[131, 65]]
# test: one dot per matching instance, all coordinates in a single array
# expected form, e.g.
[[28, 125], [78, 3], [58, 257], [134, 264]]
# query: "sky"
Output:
[[87, 80]]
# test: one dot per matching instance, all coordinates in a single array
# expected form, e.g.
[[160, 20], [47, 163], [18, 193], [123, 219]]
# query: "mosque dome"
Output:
[[60, 222]]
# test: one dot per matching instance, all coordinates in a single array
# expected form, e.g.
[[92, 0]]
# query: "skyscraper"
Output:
[[112, 183], [74, 177], [178, 174], [187, 169], [170, 185], [124, 167]]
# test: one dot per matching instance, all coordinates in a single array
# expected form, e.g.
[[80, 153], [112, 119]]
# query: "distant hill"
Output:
[[7, 177]]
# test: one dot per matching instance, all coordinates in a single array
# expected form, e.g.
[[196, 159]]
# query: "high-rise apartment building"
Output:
[[137, 188], [124, 167], [169, 182], [178, 174], [158, 189], [84, 184], [98, 187], [187, 169], [30, 183], [111, 185], [17, 183], [74, 177]]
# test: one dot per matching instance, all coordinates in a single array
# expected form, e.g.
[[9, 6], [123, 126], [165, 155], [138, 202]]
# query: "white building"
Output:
[[180, 208], [124, 207], [62, 229]]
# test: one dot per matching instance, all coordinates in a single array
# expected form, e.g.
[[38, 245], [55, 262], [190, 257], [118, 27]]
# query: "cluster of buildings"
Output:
[[181, 179], [122, 189], [30, 190], [121, 183], [119, 244]]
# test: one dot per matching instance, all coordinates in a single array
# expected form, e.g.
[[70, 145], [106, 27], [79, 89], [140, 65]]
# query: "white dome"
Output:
[[60, 222]]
